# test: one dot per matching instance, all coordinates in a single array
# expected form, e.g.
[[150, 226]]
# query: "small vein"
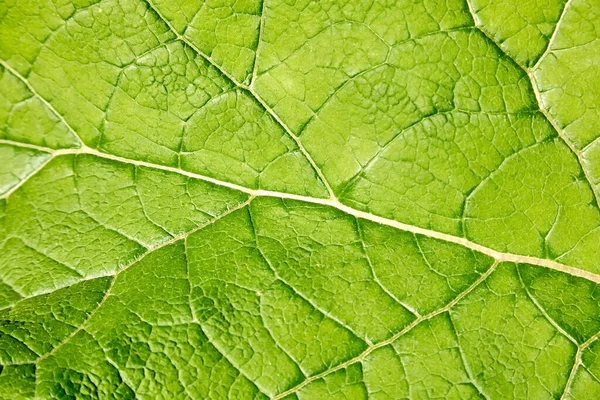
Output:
[[67, 267], [335, 91], [426, 260], [269, 332], [22, 296], [280, 347], [143, 205], [152, 325], [548, 48], [297, 292], [579, 363], [383, 343], [252, 92], [591, 340], [236, 367], [349, 183], [21, 341], [261, 28], [592, 374], [28, 146], [569, 384], [26, 179], [590, 144], [10, 306], [114, 277], [464, 361], [490, 176], [187, 278], [118, 232], [43, 100], [543, 311], [112, 363], [529, 72], [82, 326], [374, 274], [94, 219]]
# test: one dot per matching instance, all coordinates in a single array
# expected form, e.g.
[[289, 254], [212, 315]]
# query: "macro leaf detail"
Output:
[[299, 200]]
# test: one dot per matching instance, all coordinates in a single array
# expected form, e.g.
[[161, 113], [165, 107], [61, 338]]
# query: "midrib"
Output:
[[497, 255]]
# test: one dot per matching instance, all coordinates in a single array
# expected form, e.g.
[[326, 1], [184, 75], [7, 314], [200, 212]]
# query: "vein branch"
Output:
[[465, 363], [250, 89], [231, 362], [579, 363], [529, 72], [261, 27], [296, 291], [182, 236], [576, 365], [36, 94], [374, 273], [543, 311], [548, 48], [13, 189], [392, 339]]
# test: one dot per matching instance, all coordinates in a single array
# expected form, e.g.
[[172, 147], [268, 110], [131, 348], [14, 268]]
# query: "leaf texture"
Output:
[[301, 200]]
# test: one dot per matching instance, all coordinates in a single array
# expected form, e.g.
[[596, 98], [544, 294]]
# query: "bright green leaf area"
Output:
[[338, 199]]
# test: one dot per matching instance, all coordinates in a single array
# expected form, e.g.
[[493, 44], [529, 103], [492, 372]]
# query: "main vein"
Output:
[[498, 255]]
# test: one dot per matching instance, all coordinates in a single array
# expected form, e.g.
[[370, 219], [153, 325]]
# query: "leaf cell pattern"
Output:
[[301, 200]]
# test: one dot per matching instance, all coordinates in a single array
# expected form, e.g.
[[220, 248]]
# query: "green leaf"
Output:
[[302, 200]]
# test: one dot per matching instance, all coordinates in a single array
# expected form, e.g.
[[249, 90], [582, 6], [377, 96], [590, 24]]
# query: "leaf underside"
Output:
[[294, 199]]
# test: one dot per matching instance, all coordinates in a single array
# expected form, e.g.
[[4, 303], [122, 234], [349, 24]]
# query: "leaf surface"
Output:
[[300, 200]]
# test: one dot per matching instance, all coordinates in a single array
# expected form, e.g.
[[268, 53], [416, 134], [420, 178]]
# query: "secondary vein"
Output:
[[529, 72], [392, 339], [250, 89]]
